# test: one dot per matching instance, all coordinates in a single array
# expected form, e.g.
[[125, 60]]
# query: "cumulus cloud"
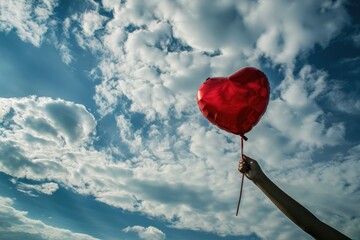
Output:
[[15, 224], [28, 18], [185, 175], [293, 128], [146, 233], [173, 165], [153, 51], [296, 114], [157, 54], [285, 31], [51, 144], [41, 137]]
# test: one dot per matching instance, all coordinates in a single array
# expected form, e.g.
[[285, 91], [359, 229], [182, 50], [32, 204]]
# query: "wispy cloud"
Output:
[[146, 233], [29, 19], [344, 100], [17, 225], [35, 189]]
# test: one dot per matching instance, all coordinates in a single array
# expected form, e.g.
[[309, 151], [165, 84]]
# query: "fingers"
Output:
[[243, 166], [246, 163]]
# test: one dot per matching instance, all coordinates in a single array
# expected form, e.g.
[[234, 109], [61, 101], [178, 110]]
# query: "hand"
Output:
[[250, 168]]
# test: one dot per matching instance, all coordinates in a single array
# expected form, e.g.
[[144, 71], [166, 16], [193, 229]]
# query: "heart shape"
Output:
[[235, 103]]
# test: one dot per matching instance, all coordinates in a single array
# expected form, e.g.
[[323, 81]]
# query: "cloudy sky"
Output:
[[101, 136]]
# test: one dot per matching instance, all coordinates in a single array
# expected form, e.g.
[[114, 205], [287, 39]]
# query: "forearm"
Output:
[[296, 212], [292, 209]]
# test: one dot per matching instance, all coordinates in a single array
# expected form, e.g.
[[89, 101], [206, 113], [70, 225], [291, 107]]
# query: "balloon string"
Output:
[[242, 179], [242, 147]]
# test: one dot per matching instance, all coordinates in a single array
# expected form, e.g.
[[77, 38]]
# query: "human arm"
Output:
[[291, 208]]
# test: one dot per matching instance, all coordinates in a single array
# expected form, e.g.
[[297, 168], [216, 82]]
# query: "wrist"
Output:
[[259, 178]]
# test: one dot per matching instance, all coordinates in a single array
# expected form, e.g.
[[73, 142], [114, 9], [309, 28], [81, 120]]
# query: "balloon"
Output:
[[235, 103]]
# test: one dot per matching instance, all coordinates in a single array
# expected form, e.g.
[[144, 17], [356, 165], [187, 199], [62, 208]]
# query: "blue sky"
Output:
[[101, 136]]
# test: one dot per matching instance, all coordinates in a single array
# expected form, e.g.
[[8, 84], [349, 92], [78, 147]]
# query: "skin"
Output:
[[291, 208]]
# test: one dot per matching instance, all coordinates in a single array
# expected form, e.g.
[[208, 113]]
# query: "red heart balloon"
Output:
[[235, 103]]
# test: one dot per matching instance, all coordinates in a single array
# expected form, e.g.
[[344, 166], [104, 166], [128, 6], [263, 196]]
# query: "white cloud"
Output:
[[92, 21], [294, 126], [87, 29], [146, 233], [185, 172], [111, 5], [334, 179], [287, 29], [131, 138], [61, 43], [42, 137], [28, 18], [344, 98], [65, 53], [296, 113], [34, 189], [157, 54], [17, 225], [356, 39], [137, 63]]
